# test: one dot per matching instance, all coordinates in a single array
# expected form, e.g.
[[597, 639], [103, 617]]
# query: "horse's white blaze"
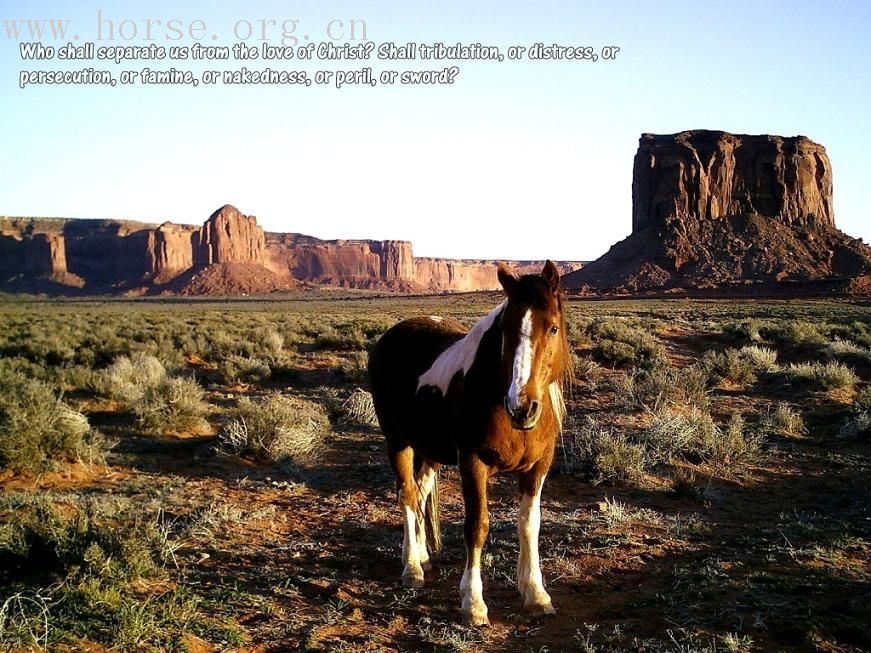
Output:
[[529, 577], [522, 362], [459, 356]]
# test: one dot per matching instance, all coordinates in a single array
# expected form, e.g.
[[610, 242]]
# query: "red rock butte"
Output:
[[229, 254], [730, 214]]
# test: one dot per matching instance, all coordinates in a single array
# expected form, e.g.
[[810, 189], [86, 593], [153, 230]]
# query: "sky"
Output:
[[514, 160]]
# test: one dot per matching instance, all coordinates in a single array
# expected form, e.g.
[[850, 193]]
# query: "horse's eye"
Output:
[[554, 330]]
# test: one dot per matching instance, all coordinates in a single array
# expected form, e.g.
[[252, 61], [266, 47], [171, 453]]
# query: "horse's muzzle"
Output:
[[524, 418]]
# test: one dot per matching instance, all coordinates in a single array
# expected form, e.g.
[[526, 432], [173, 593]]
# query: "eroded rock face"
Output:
[[45, 255], [230, 237], [712, 210], [459, 275], [711, 174], [169, 251], [229, 254]]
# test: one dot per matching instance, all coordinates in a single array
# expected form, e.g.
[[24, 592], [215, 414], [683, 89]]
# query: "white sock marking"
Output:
[[425, 481], [529, 577], [459, 356], [472, 591], [522, 362], [410, 556]]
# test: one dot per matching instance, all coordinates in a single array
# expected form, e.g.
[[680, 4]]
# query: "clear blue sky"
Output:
[[514, 160]]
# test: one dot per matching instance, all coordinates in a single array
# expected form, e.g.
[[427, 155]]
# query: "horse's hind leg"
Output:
[[425, 477], [402, 461]]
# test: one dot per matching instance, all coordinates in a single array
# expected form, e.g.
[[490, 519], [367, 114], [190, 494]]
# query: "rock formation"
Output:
[[45, 255], [458, 275], [229, 254], [230, 237], [718, 210], [169, 252]]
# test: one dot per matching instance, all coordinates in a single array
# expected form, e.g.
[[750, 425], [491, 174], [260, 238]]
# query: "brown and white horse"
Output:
[[488, 399]]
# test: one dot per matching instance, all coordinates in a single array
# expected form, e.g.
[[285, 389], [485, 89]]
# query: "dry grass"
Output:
[[276, 428], [38, 430], [173, 405]]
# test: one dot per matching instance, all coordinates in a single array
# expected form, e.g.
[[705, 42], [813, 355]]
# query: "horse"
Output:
[[488, 399]]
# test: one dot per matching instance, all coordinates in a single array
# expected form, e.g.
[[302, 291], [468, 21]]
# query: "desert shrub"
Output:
[[276, 428], [749, 330], [235, 369], [342, 336], [729, 365], [676, 433], [827, 376], [663, 386], [847, 350], [857, 332], [129, 377], [618, 343], [269, 342], [599, 455], [89, 567], [862, 400], [354, 367], [588, 372], [578, 334], [37, 429], [783, 420], [175, 404], [357, 409], [798, 334], [763, 359], [857, 425], [693, 434], [734, 443], [77, 377]]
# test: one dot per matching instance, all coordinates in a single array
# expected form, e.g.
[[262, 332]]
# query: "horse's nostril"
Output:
[[534, 407]]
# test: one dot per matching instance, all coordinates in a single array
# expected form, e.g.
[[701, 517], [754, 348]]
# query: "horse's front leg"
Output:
[[536, 600], [474, 475]]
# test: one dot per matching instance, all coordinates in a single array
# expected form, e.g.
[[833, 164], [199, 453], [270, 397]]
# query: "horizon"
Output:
[[464, 171]]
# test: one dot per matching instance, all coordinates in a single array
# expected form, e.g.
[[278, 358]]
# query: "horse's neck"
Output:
[[484, 378]]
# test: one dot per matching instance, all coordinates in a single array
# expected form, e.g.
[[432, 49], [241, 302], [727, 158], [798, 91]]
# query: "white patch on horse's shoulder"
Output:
[[436, 318], [459, 356]]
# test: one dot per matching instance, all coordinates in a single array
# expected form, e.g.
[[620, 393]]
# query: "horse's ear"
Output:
[[551, 276], [506, 277]]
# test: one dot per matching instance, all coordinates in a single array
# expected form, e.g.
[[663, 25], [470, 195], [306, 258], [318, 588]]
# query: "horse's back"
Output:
[[405, 352]]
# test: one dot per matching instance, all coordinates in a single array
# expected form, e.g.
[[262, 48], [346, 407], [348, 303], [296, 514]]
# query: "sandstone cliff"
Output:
[[462, 275], [229, 254], [230, 237], [717, 210]]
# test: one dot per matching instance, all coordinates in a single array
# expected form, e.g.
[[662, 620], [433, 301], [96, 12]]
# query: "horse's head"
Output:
[[535, 350]]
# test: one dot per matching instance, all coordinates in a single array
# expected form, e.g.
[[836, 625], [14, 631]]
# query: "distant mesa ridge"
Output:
[[229, 254], [712, 212], [733, 213]]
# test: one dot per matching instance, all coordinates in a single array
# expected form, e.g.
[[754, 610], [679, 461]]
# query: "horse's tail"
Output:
[[431, 516]]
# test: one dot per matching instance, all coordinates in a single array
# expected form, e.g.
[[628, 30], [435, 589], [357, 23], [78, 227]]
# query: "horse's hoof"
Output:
[[412, 581], [475, 618], [540, 609]]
